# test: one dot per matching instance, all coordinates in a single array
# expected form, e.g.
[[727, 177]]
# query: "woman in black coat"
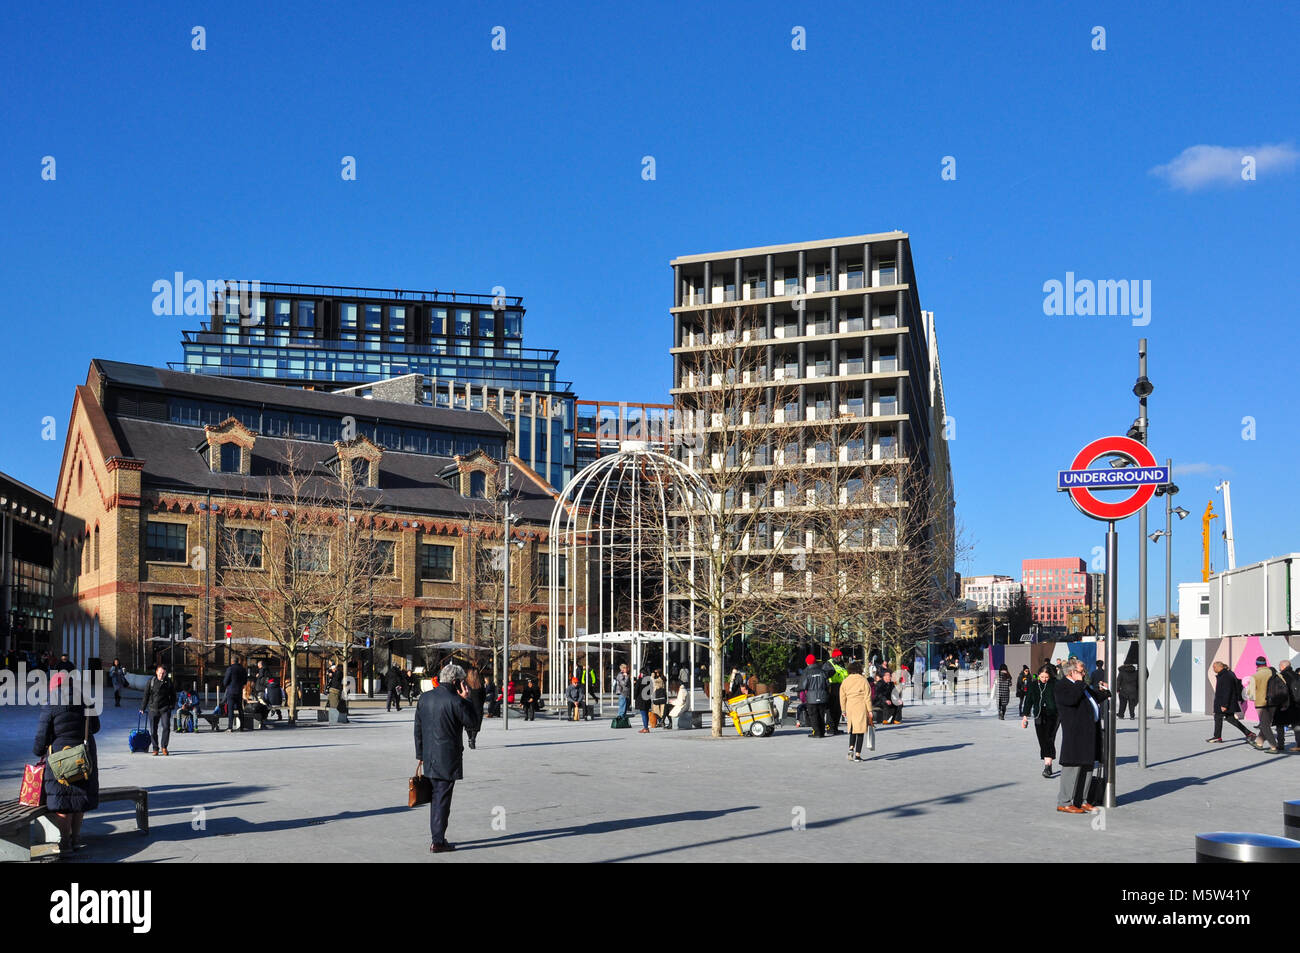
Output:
[[1023, 681], [1003, 690], [64, 726], [477, 699], [1040, 705]]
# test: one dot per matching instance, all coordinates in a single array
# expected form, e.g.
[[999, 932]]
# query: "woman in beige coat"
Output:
[[855, 702]]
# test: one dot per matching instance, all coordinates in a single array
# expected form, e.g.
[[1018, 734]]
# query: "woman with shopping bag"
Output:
[[69, 792]]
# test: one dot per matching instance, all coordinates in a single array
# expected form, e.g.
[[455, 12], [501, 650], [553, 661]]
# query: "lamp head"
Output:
[[1182, 513], [1143, 387]]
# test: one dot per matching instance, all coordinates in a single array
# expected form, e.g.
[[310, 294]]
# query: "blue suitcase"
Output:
[[140, 738]]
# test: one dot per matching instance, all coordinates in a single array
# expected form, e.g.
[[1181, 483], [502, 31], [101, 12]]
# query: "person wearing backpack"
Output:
[[1227, 702], [1271, 697]]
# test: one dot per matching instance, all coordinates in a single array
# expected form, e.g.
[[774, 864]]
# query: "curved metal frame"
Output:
[[616, 486]]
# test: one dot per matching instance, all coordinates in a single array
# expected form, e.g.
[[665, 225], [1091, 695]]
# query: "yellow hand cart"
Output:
[[757, 715]]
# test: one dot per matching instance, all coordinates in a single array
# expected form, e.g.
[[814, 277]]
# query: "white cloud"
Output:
[[1199, 469], [1198, 167]]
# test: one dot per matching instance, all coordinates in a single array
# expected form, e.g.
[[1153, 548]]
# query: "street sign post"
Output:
[[1140, 475]]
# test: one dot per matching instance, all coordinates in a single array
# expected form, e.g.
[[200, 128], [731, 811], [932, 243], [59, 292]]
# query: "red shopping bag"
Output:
[[32, 793]]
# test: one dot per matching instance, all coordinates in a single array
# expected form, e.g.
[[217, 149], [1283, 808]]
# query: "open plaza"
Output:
[[951, 783]]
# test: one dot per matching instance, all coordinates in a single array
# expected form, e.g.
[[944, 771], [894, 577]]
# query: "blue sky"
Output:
[[522, 168]]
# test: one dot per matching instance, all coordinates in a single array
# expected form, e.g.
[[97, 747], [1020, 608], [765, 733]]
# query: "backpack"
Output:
[[1277, 695]]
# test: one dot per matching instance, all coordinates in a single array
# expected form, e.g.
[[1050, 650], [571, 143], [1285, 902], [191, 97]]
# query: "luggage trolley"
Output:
[[757, 715]]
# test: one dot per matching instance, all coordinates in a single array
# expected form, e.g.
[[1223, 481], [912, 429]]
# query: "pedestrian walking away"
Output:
[[157, 704], [814, 684], [1003, 690], [66, 726], [1040, 705], [1079, 707], [1227, 702], [1126, 687], [442, 716], [855, 701]]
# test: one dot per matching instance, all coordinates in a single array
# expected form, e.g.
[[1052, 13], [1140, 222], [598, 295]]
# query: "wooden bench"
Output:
[[16, 822]]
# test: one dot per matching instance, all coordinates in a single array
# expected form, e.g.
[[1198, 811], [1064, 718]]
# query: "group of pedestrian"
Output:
[[1275, 694]]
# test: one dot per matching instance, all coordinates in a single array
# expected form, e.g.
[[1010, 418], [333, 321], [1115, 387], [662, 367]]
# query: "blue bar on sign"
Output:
[[1115, 478]]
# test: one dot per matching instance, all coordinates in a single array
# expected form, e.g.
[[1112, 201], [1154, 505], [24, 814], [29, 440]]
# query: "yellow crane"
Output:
[[1205, 540]]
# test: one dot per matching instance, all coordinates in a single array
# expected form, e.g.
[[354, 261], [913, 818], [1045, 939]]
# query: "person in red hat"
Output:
[[817, 694], [835, 675]]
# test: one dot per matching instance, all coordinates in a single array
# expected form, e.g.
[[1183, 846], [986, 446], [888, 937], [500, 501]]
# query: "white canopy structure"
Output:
[[627, 528]]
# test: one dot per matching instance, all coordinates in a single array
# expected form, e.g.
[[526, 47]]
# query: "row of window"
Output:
[[392, 321], [242, 548], [786, 281]]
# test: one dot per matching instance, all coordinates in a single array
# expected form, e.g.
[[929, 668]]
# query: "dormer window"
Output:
[[358, 461], [478, 485], [477, 474], [230, 447]]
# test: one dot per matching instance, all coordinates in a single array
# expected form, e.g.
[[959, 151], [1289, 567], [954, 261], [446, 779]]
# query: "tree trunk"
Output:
[[291, 690], [715, 681]]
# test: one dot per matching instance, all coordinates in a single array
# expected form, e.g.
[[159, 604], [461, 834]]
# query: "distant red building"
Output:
[[1054, 587]]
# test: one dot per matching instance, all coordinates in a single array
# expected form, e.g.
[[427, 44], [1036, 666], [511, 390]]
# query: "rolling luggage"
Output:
[[140, 738]]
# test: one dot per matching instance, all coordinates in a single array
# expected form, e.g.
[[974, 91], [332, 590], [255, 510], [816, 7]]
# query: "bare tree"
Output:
[[730, 417], [306, 567]]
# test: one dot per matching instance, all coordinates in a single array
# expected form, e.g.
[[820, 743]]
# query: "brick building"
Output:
[[160, 467]]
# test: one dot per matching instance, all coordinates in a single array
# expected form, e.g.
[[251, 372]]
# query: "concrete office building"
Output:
[[833, 331], [1054, 587], [26, 561], [990, 592]]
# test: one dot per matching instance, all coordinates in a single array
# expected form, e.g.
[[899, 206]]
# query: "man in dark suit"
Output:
[[441, 717], [233, 682], [395, 688]]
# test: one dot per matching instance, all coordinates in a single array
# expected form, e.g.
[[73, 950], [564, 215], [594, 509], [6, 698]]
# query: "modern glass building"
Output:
[[468, 348]]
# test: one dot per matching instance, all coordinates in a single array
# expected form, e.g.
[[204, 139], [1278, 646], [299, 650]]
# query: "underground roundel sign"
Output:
[[1142, 477]]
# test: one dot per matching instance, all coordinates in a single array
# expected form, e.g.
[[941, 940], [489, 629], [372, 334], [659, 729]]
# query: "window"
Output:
[[306, 325], [462, 323], [383, 558], [438, 321], [397, 322], [514, 324], [229, 458], [854, 270], [96, 549], [311, 554], [436, 562], [244, 548], [167, 621], [544, 571], [486, 324], [348, 321], [165, 542], [887, 273], [360, 471], [478, 485]]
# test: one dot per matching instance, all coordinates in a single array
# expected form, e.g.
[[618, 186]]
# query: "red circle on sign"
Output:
[[1136, 451]]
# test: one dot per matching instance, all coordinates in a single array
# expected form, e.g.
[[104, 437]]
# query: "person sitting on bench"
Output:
[[187, 710], [254, 707], [273, 695]]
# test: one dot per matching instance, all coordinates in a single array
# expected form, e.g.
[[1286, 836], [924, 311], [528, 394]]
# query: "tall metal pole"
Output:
[[1112, 647], [1142, 581], [505, 621], [1169, 575]]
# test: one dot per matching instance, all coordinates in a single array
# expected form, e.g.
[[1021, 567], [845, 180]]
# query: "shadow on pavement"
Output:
[[1159, 788], [910, 809], [899, 755], [599, 827]]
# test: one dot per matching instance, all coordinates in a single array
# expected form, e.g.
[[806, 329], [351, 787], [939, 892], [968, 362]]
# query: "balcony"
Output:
[[881, 321], [756, 293], [853, 367], [853, 324], [884, 365], [854, 281]]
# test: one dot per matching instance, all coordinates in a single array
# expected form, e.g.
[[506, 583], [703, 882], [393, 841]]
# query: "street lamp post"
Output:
[[1168, 491], [1142, 390]]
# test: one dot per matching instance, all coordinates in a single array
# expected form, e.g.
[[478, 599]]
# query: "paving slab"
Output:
[[952, 783]]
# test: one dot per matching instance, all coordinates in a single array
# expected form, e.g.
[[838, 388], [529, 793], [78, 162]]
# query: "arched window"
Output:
[[478, 485], [96, 547], [78, 477]]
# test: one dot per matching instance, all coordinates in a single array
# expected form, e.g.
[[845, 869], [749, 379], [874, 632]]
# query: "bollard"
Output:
[[1237, 847], [1291, 819]]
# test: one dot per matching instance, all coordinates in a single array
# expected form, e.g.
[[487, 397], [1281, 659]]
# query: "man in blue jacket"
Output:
[[441, 717]]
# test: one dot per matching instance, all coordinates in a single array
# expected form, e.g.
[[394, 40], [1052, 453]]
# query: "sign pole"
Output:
[[1112, 648], [1143, 644]]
